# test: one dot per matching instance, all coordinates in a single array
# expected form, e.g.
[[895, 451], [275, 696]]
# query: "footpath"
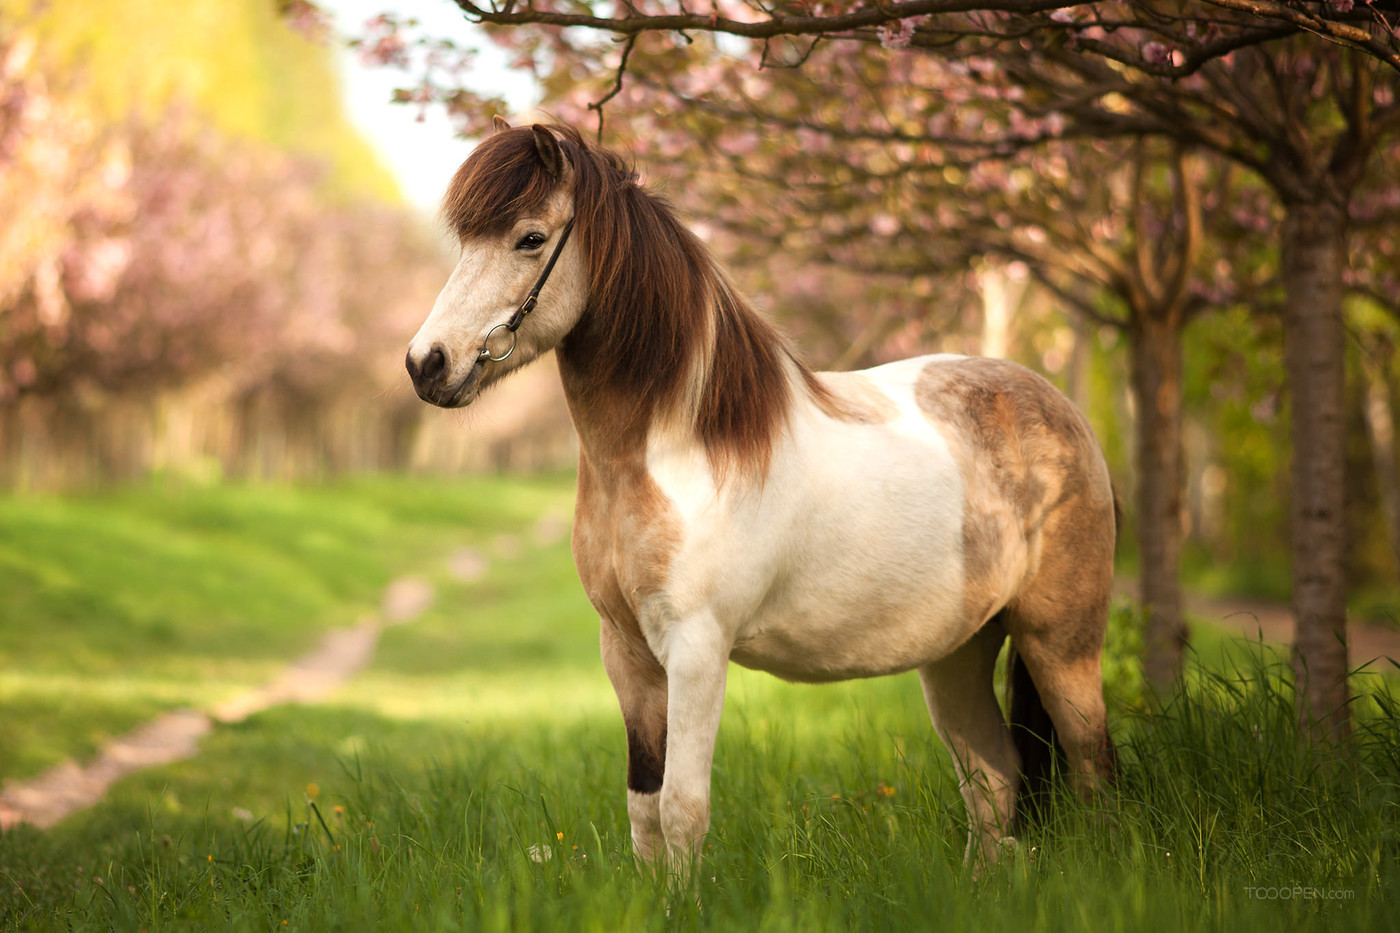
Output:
[[68, 787], [1373, 643]]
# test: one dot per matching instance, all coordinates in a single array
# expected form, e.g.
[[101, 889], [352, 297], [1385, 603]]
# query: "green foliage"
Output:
[[1125, 687], [1234, 383]]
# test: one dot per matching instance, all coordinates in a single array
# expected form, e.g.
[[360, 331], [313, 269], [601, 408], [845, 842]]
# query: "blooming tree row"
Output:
[[142, 255]]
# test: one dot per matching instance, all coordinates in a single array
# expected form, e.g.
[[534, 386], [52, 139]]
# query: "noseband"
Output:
[[528, 304]]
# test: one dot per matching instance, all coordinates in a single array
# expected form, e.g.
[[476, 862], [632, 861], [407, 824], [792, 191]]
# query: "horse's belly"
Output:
[[860, 605], [822, 630], [847, 562]]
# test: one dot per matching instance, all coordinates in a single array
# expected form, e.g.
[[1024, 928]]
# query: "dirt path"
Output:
[[66, 788], [49, 797], [1366, 641]]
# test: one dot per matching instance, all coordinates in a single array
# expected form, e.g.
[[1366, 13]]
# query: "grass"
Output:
[[121, 605], [426, 794]]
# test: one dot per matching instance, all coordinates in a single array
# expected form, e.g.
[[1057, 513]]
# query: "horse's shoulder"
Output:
[[626, 533]]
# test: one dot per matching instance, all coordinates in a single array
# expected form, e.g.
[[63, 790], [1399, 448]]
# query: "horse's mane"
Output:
[[660, 309]]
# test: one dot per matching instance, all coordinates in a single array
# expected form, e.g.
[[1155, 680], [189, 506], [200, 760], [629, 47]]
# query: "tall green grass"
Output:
[[1222, 821], [473, 779]]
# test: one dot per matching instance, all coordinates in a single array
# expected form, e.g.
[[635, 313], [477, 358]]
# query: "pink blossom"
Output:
[[308, 19], [1157, 53], [24, 372], [884, 225], [897, 37]]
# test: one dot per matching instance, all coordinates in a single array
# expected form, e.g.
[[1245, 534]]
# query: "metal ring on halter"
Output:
[[486, 344]]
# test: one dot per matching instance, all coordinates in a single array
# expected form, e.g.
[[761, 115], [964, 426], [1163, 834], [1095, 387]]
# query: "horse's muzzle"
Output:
[[431, 375]]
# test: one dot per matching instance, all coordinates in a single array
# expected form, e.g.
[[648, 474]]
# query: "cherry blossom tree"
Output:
[[147, 255], [1302, 95]]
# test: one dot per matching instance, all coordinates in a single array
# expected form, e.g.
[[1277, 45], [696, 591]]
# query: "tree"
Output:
[[146, 254], [1139, 223], [1248, 81]]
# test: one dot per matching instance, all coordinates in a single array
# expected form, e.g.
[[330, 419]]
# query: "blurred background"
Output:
[[218, 235], [207, 269]]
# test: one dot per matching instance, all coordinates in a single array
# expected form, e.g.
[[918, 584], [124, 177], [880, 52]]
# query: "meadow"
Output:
[[472, 777]]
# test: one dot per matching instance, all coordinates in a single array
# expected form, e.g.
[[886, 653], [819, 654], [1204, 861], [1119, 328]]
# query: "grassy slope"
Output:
[[487, 729], [119, 606]]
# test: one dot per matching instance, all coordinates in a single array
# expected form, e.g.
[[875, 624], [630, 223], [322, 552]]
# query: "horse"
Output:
[[734, 505]]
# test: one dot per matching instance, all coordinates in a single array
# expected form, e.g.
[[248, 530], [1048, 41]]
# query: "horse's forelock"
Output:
[[502, 180]]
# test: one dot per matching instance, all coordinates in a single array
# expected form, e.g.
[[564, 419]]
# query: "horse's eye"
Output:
[[531, 241]]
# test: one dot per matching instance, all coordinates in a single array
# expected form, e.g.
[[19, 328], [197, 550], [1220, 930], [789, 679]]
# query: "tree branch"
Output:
[[617, 84]]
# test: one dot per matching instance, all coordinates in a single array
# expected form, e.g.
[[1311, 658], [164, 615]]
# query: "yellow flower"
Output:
[[560, 835], [312, 789]]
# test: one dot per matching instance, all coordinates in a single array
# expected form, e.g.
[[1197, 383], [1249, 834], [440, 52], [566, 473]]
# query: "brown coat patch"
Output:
[[624, 538], [1031, 469]]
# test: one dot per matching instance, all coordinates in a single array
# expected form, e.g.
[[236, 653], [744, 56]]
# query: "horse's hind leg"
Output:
[[963, 704], [1057, 627]]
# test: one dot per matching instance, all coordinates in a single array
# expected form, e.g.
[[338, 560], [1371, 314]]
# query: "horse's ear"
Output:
[[499, 124], [549, 151]]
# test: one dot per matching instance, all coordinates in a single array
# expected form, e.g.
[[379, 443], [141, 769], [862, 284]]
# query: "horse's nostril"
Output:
[[434, 364]]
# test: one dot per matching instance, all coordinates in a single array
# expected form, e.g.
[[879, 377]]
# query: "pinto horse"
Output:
[[733, 505]]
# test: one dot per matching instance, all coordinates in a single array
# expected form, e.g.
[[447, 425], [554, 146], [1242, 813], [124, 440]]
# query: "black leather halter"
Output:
[[529, 303]]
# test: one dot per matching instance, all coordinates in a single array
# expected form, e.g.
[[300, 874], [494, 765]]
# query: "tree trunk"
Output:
[[1156, 371], [1380, 431], [1314, 258], [996, 311]]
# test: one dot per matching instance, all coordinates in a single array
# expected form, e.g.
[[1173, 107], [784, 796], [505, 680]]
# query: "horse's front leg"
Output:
[[640, 683], [697, 663]]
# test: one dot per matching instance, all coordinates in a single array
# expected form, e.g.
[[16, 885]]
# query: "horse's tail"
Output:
[[1033, 733], [1117, 519]]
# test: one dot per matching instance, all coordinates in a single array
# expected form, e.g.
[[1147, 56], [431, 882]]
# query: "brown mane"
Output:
[[655, 298]]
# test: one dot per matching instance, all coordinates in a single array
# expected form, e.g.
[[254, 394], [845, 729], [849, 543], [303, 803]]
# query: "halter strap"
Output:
[[529, 303]]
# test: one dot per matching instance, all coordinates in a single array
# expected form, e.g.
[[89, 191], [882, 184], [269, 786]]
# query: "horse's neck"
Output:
[[616, 431], [610, 437]]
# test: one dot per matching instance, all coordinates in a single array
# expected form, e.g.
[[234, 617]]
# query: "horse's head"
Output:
[[509, 204]]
